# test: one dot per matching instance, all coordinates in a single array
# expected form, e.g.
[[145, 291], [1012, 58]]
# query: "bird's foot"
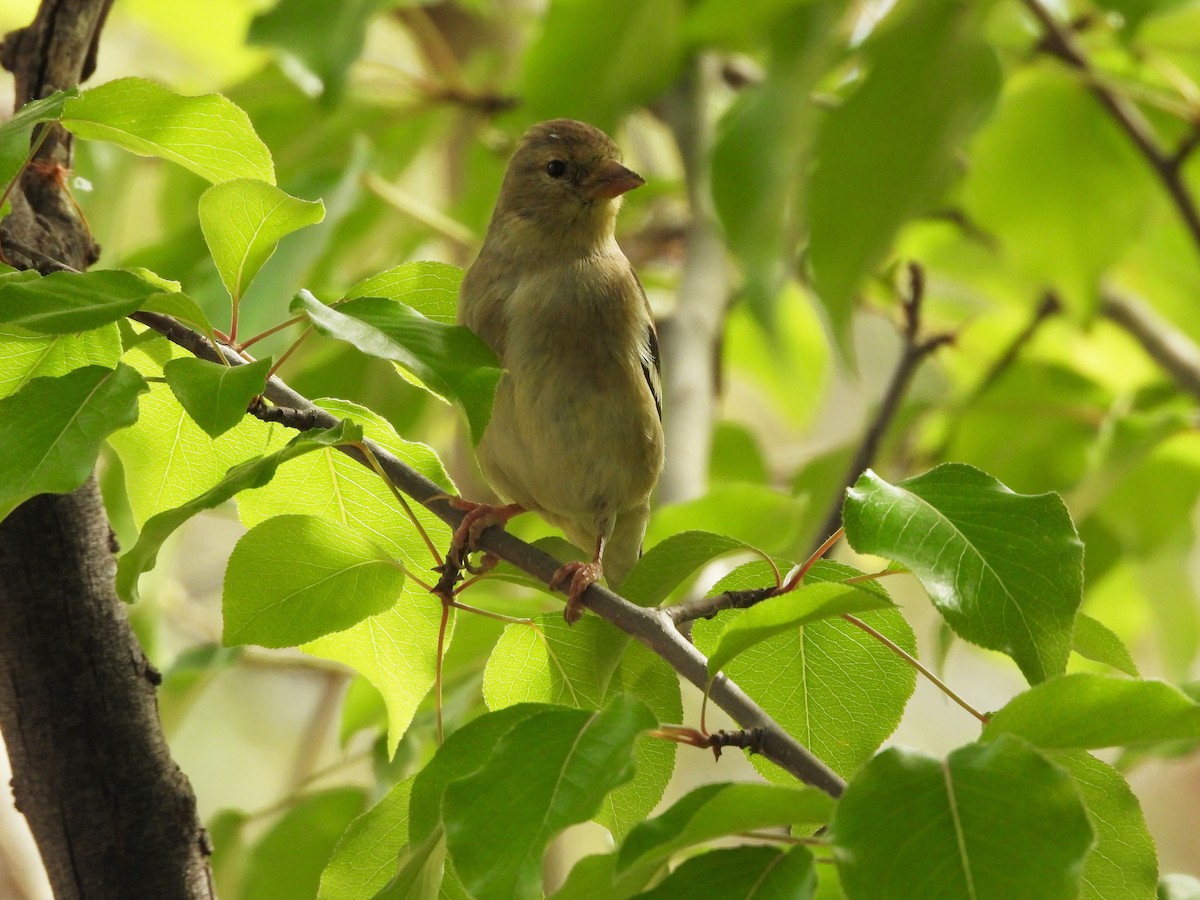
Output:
[[479, 517], [581, 576]]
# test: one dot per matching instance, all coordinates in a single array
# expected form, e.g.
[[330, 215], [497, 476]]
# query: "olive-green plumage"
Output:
[[576, 431]]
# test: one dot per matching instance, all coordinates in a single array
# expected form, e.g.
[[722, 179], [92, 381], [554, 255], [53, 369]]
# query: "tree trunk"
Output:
[[112, 814]]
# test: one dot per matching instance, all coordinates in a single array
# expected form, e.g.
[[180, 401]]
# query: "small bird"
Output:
[[576, 428]]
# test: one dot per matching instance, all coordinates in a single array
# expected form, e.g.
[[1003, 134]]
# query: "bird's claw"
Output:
[[479, 517], [581, 576]]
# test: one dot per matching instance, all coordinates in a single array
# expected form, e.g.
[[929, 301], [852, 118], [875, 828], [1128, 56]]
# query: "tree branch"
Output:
[[110, 811], [1173, 350], [653, 627], [691, 336], [1060, 42]]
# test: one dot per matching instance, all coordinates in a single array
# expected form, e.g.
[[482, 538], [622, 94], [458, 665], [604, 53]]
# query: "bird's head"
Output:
[[564, 182]]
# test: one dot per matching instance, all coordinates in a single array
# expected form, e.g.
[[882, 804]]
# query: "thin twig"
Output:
[[373, 462], [250, 341], [1060, 42]]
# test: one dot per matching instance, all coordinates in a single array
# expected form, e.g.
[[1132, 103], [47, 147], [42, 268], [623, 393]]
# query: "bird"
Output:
[[575, 433]]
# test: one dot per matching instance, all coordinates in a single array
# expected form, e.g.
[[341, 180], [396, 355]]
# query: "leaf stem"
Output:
[[286, 353], [916, 664], [408, 510], [250, 341]]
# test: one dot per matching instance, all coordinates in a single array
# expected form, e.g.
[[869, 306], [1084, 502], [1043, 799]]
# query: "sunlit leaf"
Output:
[[216, 395], [243, 221], [16, 133], [245, 476], [1122, 864], [207, 135], [25, 355], [322, 578], [51, 430], [778, 615]]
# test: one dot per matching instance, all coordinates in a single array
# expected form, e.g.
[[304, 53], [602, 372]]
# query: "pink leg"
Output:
[[479, 517], [581, 575]]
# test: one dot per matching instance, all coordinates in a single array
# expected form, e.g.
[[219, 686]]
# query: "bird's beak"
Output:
[[611, 180]]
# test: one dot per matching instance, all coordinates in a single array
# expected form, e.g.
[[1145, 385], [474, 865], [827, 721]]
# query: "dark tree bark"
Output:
[[112, 814]]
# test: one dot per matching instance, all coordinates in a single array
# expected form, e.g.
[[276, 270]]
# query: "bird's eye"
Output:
[[556, 168]]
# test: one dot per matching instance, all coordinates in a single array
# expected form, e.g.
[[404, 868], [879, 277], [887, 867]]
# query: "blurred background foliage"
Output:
[[799, 154]]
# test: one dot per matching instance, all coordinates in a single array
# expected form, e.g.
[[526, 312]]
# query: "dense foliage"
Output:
[[1011, 186]]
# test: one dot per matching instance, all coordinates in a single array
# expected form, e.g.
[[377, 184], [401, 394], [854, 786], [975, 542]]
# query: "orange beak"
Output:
[[611, 180]]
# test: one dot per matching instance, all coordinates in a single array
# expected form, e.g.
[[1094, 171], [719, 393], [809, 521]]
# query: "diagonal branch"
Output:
[[1173, 350], [1061, 43], [653, 627]]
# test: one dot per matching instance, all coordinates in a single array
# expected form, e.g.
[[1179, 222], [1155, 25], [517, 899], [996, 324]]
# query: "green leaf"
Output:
[[322, 39], [167, 458], [836, 689], [243, 221], [990, 821], [66, 302], [16, 133], [244, 476], [51, 430], [216, 395], [287, 862], [25, 355], [450, 361], [630, 50], [423, 872], [207, 135], [1005, 570], [1123, 863], [778, 615], [294, 578], [431, 288], [1087, 711], [585, 666], [887, 153], [763, 146], [364, 859], [667, 564], [718, 810], [1091, 196], [742, 872], [397, 649], [1096, 641], [548, 772]]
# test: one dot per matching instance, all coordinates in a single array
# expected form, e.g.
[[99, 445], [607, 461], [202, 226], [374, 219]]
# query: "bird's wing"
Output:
[[651, 363]]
